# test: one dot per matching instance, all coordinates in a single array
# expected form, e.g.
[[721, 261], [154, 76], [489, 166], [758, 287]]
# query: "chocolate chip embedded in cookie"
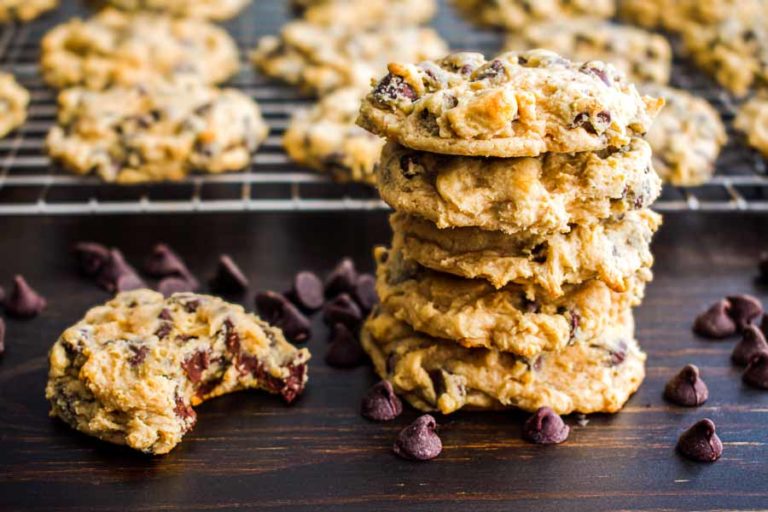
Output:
[[365, 13], [115, 48], [517, 14], [24, 10], [14, 100], [516, 104], [131, 370], [211, 9]]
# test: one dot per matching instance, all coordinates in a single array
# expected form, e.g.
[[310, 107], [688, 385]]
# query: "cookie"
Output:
[[536, 196], [14, 100], [517, 104], [517, 14], [642, 56], [116, 48], [675, 15], [211, 9], [475, 314], [320, 59], [132, 369], [24, 10], [612, 251], [686, 137], [752, 120], [439, 375], [365, 13], [733, 51], [155, 132], [326, 138]]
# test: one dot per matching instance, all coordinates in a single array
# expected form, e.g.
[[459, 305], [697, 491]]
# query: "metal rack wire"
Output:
[[30, 185]]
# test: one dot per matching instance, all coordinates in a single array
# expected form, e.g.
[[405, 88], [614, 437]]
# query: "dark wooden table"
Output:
[[249, 451]]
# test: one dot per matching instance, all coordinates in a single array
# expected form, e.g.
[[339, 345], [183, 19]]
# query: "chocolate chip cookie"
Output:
[[517, 104], [212, 9], [517, 14], [14, 100], [752, 120], [440, 375], [642, 56], [132, 369], [117, 48], [536, 196], [155, 132], [675, 15], [612, 251], [326, 138], [24, 10], [320, 59], [365, 13]]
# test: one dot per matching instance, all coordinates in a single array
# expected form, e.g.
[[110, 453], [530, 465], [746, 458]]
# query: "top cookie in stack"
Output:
[[521, 237]]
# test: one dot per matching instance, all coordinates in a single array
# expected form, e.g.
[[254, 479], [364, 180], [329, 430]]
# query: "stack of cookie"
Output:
[[521, 233]]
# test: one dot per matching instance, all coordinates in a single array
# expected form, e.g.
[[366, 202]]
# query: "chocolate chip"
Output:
[[752, 342], [185, 412], [715, 322], [163, 330], [619, 353], [545, 427], [342, 310], [744, 310], [419, 440], [91, 257], [173, 284], [307, 291], [381, 403], [165, 314], [596, 72], [491, 70], [756, 374], [139, 354], [164, 262], [700, 442], [196, 364], [24, 301], [687, 388], [365, 292], [2, 336], [344, 350], [342, 279], [229, 278], [117, 275], [393, 87], [278, 311]]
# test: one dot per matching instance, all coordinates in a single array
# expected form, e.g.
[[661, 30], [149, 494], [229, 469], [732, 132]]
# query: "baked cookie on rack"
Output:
[[534, 196], [516, 104], [642, 56], [752, 121], [14, 100], [132, 369], [686, 137], [439, 375], [155, 132], [365, 13], [117, 48], [319, 59], [326, 138], [516, 14], [211, 9], [24, 10]]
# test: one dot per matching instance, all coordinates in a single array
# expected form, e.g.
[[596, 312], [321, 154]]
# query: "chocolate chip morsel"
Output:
[[229, 278], [91, 257], [752, 342], [716, 321], [687, 388], [381, 403], [24, 301], [2, 336], [756, 374], [172, 284], [744, 310], [341, 279], [345, 350], [700, 442], [117, 275], [278, 311], [365, 292], [419, 440], [545, 427], [307, 291], [342, 310], [164, 262]]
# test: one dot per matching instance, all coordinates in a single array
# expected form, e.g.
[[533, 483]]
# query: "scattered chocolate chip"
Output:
[[196, 364], [744, 310], [345, 350], [393, 87], [229, 278], [756, 374], [700, 442], [687, 388], [545, 427], [173, 284], [117, 275], [381, 403], [186, 413], [278, 311], [164, 262], [23, 301], [307, 291], [91, 257], [419, 440], [752, 342], [139, 354], [619, 353], [163, 330], [715, 322], [588, 69], [2, 336], [342, 310], [341, 279], [365, 292], [491, 70]]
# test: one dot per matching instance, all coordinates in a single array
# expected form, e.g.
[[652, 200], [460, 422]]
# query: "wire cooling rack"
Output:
[[30, 184]]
